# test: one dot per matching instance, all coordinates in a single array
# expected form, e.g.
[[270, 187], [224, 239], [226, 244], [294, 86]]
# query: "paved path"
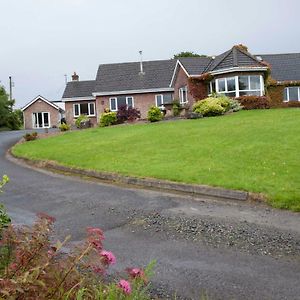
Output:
[[141, 226]]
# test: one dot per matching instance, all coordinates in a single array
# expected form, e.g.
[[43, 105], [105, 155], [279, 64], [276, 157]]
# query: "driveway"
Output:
[[227, 250]]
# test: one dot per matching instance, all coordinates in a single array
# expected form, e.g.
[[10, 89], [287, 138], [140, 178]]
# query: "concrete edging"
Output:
[[194, 189]]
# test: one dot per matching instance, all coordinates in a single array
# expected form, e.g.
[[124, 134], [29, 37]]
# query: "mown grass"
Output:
[[257, 151]]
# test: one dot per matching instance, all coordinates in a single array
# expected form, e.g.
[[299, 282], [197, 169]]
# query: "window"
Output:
[[238, 86], [183, 95], [212, 87], [291, 94], [250, 85], [226, 86], [87, 109], [159, 100], [41, 120], [117, 102], [162, 99]]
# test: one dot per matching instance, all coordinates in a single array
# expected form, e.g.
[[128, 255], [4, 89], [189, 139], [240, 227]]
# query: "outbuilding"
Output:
[[42, 113]]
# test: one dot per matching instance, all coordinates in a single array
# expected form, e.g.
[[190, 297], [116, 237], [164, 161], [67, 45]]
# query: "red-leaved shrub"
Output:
[[254, 102], [127, 114]]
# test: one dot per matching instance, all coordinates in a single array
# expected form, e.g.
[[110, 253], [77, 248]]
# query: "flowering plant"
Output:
[[37, 269]]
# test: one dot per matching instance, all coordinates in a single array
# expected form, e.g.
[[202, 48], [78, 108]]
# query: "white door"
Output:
[[41, 120]]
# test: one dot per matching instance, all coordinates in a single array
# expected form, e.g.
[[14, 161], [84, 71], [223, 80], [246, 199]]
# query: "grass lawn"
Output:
[[257, 151]]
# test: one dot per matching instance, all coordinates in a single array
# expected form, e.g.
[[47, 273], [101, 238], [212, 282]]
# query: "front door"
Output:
[[41, 120]]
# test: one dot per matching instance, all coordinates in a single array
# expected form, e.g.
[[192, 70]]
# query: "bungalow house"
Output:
[[235, 73], [42, 113]]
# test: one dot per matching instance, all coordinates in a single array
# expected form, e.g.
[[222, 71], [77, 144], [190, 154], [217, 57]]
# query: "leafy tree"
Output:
[[8, 117], [188, 54]]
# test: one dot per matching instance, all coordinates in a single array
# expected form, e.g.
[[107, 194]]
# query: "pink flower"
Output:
[[125, 286], [137, 273], [108, 257], [42, 215], [98, 270], [95, 230], [95, 237], [13, 266], [50, 253]]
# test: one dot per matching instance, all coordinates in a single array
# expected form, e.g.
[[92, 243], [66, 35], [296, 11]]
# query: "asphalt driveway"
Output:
[[229, 250]]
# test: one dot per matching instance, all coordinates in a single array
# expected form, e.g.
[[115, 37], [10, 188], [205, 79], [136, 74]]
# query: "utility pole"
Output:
[[10, 88]]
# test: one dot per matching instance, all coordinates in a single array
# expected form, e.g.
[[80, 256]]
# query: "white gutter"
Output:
[[78, 99], [238, 69]]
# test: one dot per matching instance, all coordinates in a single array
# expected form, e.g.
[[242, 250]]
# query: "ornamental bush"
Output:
[[30, 136], [107, 119], [127, 114], [176, 108], [216, 105], [81, 121], [154, 114], [38, 269], [211, 107], [4, 218], [254, 102], [64, 127]]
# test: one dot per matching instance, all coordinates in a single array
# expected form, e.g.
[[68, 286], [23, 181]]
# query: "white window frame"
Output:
[[288, 93], [261, 86], [43, 120], [116, 99], [237, 91], [89, 109], [162, 100], [181, 90]]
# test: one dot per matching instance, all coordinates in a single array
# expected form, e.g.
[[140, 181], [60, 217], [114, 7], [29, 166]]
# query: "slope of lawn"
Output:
[[257, 151]]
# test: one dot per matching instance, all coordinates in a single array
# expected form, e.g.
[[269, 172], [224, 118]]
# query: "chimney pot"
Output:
[[75, 77]]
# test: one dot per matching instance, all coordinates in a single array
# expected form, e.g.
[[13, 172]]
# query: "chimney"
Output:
[[75, 77], [141, 64]]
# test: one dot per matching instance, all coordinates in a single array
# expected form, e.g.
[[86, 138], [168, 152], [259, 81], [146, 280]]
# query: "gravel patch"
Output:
[[244, 236]]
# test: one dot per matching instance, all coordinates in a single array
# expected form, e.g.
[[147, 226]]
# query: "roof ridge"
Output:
[[228, 52], [209, 65], [235, 56], [82, 80], [137, 62], [247, 53]]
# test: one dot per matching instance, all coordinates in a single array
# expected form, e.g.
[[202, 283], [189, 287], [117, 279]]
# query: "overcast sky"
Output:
[[41, 40]]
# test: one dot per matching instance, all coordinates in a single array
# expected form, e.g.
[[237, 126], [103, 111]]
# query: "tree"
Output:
[[8, 117], [188, 54]]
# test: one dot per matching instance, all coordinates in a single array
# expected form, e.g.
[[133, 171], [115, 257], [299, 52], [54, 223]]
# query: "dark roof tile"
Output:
[[284, 67], [126, 76], [79, 89], [195, 65], [235, 57]]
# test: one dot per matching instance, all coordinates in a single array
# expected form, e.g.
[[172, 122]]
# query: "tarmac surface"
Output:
[[227, 250]]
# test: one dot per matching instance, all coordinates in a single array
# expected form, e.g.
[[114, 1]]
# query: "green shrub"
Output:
[[64, 127], [30, 136], [235, 105], [176, 108], [154, 114], [4, 218], [107, 119], [80, 120], [216, 106]]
